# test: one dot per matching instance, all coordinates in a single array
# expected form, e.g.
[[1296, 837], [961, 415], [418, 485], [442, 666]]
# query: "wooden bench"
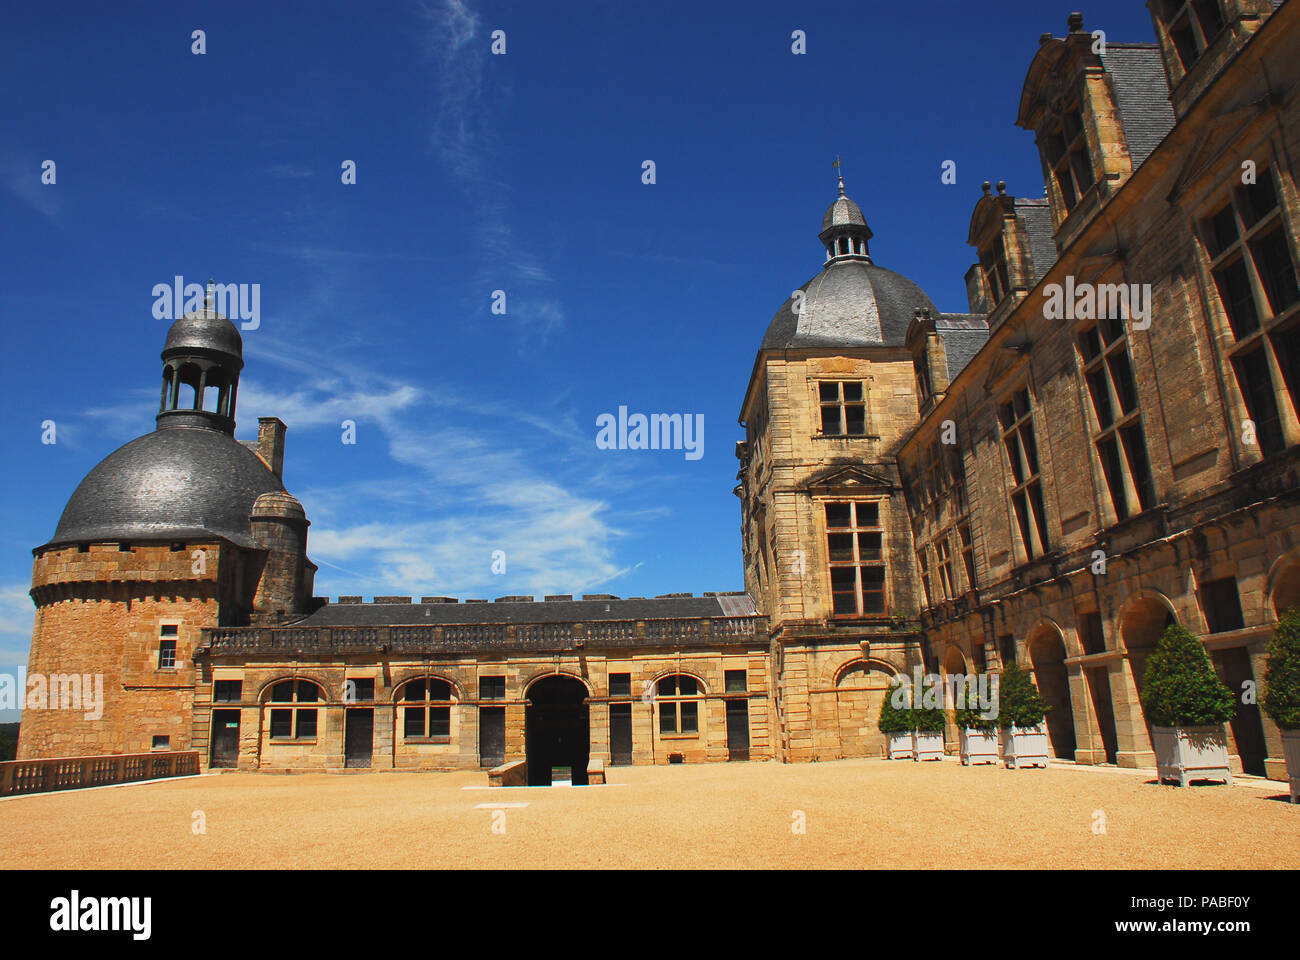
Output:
[[512, 774]]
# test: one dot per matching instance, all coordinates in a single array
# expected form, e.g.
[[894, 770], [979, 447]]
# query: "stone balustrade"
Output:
[[70, 773]]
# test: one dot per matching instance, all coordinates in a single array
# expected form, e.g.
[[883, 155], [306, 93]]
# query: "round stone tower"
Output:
[[171, 533]]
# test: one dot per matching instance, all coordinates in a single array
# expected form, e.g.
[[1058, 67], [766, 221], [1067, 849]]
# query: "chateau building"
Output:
[[1108, 441]]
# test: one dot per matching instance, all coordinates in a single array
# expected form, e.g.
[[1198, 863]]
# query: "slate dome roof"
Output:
[[843, 211], [172, 484], [204, 330], [850, 303]]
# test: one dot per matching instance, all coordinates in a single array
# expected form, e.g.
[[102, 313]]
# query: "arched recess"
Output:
[[1284, 584], [1141, 623], [860, 688], [1047, 657]]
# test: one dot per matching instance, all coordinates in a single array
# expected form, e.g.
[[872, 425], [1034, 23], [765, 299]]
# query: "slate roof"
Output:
[[551, 611], [850, 303], [1141, 95], [841, 213], [1037, 215], [963, 335], [177, 483], [203, 331]]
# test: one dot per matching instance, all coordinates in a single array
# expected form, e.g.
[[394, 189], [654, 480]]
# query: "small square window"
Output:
[[162, 743], [168, 630], [492, 688], [736, 681], [166, 654], [620, 684], [227, 691], [360, 689]]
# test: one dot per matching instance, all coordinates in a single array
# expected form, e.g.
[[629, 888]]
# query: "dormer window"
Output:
[[1192, 26], [1066, 151], [993, 264]]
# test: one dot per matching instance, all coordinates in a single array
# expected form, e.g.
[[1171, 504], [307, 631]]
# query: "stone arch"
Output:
[[860, 687], [552, 672], [675, 672], [406, 676], [312, 676], [1047, 653], [1284, 583]]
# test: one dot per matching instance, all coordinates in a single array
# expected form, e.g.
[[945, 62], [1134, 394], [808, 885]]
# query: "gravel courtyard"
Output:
[[854, 814]]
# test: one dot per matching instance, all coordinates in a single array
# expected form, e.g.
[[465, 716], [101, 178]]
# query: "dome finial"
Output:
[[839, 173]]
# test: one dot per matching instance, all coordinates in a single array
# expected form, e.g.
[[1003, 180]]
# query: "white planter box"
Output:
[[1191, 753], [1291, 750], [979, 746], [1025, 747], [927, 746], [900, 746]]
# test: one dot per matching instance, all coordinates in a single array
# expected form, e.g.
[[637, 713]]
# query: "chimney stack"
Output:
[[270, 444]]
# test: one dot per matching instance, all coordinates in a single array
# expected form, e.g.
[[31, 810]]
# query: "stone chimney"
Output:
[[270, 444]]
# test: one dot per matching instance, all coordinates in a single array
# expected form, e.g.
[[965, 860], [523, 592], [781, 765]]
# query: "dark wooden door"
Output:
[[737, 729], [491, 736], [1233, 665], [620, 733], [225, 739], [358, 738]]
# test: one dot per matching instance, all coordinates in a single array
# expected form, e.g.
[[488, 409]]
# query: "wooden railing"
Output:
[[69, 773]]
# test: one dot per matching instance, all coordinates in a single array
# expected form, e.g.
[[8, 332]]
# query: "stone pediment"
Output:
[[845, 479]]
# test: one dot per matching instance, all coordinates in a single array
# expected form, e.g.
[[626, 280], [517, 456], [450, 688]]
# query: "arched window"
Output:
[[293, 722], [426, 709], [678, 715]]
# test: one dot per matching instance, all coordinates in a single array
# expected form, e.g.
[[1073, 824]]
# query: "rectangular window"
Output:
[[843, 408], [1065, 146], [1018, 437], [942, 549], [736, 681], [360, 689], [162, 742], [1091, 634], [227, 691], [993, 263], [1007, 647], [855, 547], [1192, 26], [166, 654], [1221, 602], [1253, 266], [967, 554], [1118, 435], [492, 688], [281, 724], [620, 684]]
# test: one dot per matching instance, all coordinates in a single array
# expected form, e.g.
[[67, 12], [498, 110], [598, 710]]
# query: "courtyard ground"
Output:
[[854, 814]]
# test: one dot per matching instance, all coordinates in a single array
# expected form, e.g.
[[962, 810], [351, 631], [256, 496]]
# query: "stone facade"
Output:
[[919, 490]]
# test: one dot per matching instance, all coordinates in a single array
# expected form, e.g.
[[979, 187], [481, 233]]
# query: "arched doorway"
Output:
[[557, 734], [954, 666], [1047, 654]]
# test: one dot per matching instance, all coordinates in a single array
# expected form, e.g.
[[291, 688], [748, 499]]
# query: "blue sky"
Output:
[[475, 172]]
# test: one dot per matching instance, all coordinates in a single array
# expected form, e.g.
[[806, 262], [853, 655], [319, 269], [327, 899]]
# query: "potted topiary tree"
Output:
[[978, 732], [896, 722], [1187, 705], [1281, 700], [1020, 715], [927, 733]]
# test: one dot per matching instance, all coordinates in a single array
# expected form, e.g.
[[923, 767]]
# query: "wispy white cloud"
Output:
[[464, 138], [450, 478], [22, 176], [17, 617], [290, 171]]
